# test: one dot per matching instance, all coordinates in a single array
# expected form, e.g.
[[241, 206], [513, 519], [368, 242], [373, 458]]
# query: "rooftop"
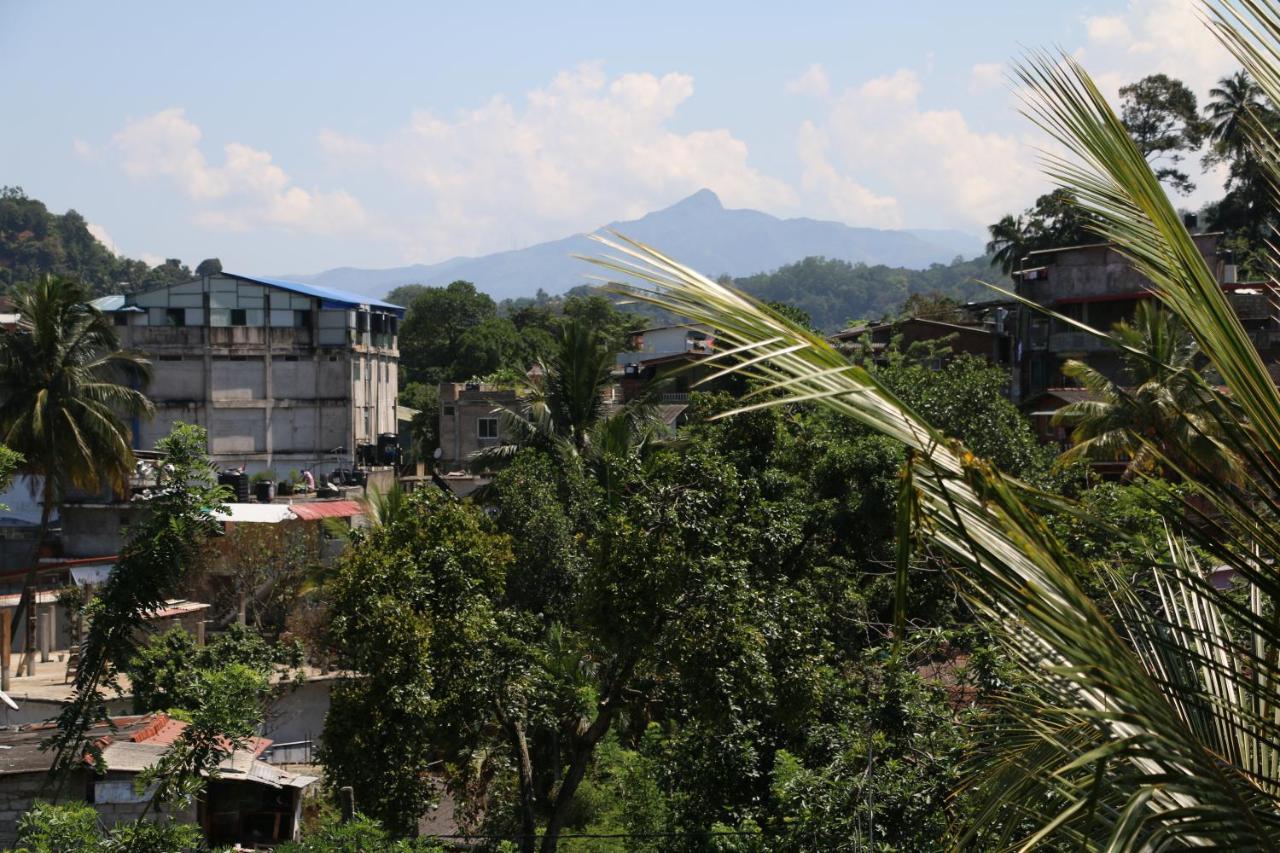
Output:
[[329, 298]]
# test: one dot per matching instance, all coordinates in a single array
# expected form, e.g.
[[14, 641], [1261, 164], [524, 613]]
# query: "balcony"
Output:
[[176, 337], [1060, 342]]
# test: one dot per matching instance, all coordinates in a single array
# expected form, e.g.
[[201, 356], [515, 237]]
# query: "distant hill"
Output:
[[35, 242], [699, 231], [834, 292]]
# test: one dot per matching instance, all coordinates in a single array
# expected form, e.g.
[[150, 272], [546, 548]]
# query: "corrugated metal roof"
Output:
[[107, 304], [328, 297], [326, 509]]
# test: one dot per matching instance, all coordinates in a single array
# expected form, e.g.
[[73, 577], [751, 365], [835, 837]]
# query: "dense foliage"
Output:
[[833, 293], [35, 243], [75, 828], [674, 640], [173, 672]]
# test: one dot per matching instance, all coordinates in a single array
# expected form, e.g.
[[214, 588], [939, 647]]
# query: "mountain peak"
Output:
[[703, 199]]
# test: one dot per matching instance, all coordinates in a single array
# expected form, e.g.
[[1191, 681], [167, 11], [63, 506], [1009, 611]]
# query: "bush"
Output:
[[74, 828], [47, 828], [361, 835]]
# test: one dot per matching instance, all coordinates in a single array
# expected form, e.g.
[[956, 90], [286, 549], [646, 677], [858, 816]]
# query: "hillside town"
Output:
[[714, 528]]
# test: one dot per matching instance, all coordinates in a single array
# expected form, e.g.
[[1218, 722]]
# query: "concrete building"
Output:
[[471, 420], [1098, 286], [283, 375]]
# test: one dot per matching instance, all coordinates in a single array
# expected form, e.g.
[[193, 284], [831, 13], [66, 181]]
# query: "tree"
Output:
[[1009, 243], [424, 429], [150, 568], [1239, 112], [209, 266], [434, 326], [172, 672], [1054, 220], [65, 391], [1148, 723], [35, 243], [1165, 414], [563, 410], [409, 601], [1236, 107], [1160, 114], [933, 306]]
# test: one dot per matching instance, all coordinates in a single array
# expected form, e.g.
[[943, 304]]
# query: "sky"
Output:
[[292, 137]]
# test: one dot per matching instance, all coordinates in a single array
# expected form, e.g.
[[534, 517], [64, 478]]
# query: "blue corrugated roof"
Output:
[[328, 297]]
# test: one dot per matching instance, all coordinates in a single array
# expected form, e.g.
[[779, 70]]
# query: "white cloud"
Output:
[[812, 82], [245, 191], [100, 234], [836, 194], [877, 157], [1150, 37], [83, 150], [985, 76], [581, 151], [1108, 29]]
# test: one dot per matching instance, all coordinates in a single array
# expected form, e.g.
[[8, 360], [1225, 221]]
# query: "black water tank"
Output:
[[238, 482], [388, 448]]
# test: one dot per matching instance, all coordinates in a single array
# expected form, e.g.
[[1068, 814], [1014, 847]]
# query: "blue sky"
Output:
[[293, 137]]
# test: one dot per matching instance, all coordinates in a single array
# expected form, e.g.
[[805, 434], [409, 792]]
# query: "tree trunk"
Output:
[[528, 818], [582, 747], [28, 586]]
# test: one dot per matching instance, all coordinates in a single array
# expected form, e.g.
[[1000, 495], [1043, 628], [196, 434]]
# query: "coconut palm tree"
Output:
[[1010, 241], [564, 410], [1165, 409], [65, 391], [1153, 723], [1234, 105]]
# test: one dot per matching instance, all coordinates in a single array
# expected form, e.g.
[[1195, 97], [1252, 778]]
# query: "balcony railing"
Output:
[[1076, 342]]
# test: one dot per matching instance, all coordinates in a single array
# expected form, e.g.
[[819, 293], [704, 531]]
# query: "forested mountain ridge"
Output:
[[834, 292], [35, 242]]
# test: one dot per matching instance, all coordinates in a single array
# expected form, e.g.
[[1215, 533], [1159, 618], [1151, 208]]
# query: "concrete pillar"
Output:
[[43, 631], [200, 632], [6, 625]]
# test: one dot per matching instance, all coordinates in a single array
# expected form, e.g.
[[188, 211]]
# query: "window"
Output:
[[171, 358], [487, 428], [302, 319], [238, 317], [175, 317], [120, 318], [290, 358], [448, 411]]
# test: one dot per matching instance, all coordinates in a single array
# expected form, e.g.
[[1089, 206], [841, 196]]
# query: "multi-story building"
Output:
[[283, 375], [1098, 286]]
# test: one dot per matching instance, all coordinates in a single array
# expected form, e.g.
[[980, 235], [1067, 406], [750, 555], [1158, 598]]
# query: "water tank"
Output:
[[388, 448], [238, 482]]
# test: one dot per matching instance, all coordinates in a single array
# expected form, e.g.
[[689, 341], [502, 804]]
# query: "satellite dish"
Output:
[[5, 697], [437, 453]]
